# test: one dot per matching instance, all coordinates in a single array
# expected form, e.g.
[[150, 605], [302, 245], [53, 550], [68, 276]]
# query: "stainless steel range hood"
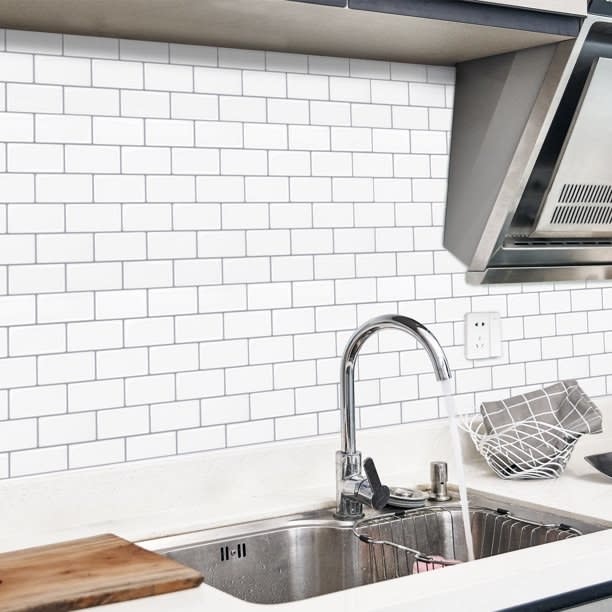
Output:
[[530, 178]]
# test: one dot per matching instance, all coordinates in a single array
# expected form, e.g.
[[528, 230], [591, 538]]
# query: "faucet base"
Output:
[[348, 480]]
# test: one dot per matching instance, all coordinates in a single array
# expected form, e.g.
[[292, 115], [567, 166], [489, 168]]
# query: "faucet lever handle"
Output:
[[380, 492]]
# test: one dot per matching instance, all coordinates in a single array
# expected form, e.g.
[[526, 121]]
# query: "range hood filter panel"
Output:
[[579, 200]]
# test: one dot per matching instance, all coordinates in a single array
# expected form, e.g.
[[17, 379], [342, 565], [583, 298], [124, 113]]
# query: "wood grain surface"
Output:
[[87, 572]]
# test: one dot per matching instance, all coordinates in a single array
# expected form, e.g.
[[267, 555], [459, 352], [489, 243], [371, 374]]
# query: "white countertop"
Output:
[[152, 499]]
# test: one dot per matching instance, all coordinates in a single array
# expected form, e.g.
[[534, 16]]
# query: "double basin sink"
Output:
[[295, 557]]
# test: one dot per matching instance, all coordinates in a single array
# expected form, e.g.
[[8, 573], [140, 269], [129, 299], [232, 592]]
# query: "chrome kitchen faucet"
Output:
[[353, 488]]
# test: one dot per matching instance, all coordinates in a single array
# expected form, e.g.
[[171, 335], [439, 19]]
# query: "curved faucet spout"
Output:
[[347, 373]]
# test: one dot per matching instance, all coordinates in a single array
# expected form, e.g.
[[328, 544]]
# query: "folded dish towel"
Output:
[[420, 566], [540, 423]]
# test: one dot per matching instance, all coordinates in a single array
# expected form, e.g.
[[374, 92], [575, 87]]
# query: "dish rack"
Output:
[[414, 541], [527, 450]]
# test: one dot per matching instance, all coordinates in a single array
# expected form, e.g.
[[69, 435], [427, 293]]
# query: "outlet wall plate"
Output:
[[482, 335]]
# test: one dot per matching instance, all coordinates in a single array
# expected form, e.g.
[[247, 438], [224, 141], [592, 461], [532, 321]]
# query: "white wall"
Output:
[[188, 235]]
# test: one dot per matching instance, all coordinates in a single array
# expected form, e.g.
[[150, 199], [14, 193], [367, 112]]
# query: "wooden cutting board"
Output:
[[87, 572]]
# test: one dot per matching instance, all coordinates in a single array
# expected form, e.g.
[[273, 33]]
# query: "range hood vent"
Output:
[[530, 179], [583, 173]]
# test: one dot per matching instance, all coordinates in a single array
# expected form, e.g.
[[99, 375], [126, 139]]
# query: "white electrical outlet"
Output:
[[482, 335]]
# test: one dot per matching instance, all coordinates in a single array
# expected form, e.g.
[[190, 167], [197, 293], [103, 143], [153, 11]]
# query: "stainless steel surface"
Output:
[[525, 133], [602, 462], [294, 557], [584, 165], [401, 544], [537, 274], [352, 489], [438, 472]]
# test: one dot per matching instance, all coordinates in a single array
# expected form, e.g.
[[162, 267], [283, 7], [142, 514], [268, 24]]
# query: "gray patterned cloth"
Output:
[[542, 422]]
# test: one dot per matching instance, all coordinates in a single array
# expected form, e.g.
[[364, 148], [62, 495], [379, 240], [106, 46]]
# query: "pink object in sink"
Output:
[[437, 562]]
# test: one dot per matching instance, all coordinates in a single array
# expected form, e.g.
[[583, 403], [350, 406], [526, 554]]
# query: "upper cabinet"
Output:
[[434, 32]]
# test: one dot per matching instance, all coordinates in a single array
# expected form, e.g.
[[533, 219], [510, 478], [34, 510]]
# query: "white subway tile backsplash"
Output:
[[39, 461], [149, 389], [63, 307], [63, 129], [253, 432], [321, 64], [66, 368], [193, 54], [121, 74], [169, 132], [557, 301], [308, 86], [91, 101], [247, 324], [223, 353], [17, 127], [62, 70], [174, 416], [148, 332], [172, 301], [588, 344], [36, 279], [194, 106], [270, 404], [94, 335], [34, 158], [201, 439], [120, 246], [91, 46], [371, 115], [95, 395], [349, 89], [17, 67], [145, 104], [190, 328], [64, 248], [229, 409], [265, 84], [150, 446], [143, 50], [18, 434], [330, 113], [269, 295], [265, 136], [118, 131], [218, 81], [194, 385], [272, 349], [309, 138], [122, 422], [137, 218], [34, 98], [191, 235], [37, 401], [296, 427], [17, 188], [540, 372], [242, 108], [427, 142], [142, 274], [286, 62], [96, 453], [168, 77], [37, 339]]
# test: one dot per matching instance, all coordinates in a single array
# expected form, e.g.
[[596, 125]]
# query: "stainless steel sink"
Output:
[[300, 556]]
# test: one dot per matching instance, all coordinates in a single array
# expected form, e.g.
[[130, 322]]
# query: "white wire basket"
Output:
[[524, 450]]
